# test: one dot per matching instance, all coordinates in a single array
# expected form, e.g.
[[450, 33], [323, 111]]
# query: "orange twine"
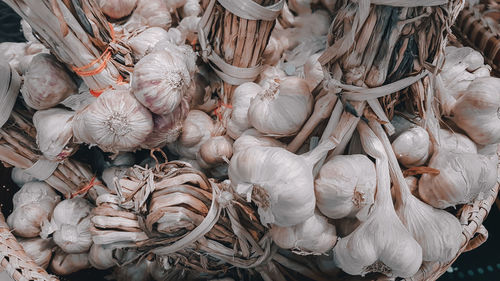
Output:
[[219, 106], [93, 182]]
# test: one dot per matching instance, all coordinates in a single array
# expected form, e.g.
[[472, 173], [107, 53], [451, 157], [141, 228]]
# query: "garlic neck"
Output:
[[272, 91], [313, 156]]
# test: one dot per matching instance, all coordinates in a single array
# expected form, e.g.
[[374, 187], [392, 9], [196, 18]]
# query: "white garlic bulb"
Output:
[[72, 222], [20, 177], [345, 185], [20, 55], [54, 131], [101, 256], [196, 129], [282, 108], [314, 236], [412, 147], [252, 137], [160, 80], [134, 271], [144, 42], [456, 142], [65, 264], [216, 150], [46, 83], [462, 177], [189, 25], [242, 96], [33, 192], [150, 13], [476, 111], [278, 181], [313, 71], [40, 250], [182, 51], [116, 121], [192, 8], [117, 9], [167, 128], [382, 242]]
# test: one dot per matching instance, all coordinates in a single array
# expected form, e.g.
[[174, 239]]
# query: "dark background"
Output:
[[480, 264]]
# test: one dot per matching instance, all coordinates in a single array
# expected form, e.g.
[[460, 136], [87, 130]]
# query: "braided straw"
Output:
[[15, 261]]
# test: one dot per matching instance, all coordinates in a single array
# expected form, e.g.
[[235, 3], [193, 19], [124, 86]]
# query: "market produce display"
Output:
[[244, 140]]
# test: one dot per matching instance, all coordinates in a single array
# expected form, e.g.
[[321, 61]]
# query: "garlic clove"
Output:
[[313, 236], [345, 185], [217, 150], [196, 129], [102, 257], [160, 80], [65, 264], [412, 147], [40, 250], [117, 9], [241, 100], [54, 131], [115, 122], [46, 83]]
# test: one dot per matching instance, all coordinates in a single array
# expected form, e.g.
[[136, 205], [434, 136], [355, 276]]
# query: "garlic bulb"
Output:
[[182, 51], [72, 222], [192, 8], [20, 177], [278, 181], [476, 111], [242, 96], [54, 131], [281, 109], [456, 142], [160, 80], [144, 42], [462, 177], [252, 137], [116, 121], [175, 4], [33, 206], [137, 271], [20, 55], [40, 250], [65, 264], [101, 256], [382, 243], [216, 150], [412, 147], [196, 129], [152, 13], [313, 236], [189, 25], [117, 9], [345, 185], [273, 51], [313, 71], [167, 128], [46, 83]]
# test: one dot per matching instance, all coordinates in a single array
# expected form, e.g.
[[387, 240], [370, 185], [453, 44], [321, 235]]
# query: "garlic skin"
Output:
[[192, 8], [144, 42], [456, 142], [252, 137], [20, 55], [65, 264], [20, 177], [281, 109], [189, 25], [46, 83], [216, 150], [280, 182], [40, 250], [117, 9], [160, 80], [242, 96], [101, 256], [345, 185], [71, 217], [462, 177], [313, 236], [182, 51], [412, 147], [476, 111], [152, 13], [115, 122], [34, 192], [313, 71], [54, 131]]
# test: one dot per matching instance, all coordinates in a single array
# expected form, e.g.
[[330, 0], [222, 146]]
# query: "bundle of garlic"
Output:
[[33, 207]]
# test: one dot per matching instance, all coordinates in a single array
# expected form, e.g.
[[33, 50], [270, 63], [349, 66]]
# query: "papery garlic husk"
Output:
[[456, 142], [54, 131], [159, 268], [115, 122], [196, 129], [313, 71], [314, 236], [72, 222], [109, 175], [28, 32], [20, 177], [144, 42], [152, 13], [281, 183], [46, 83], [216, 150], [345, 185], [270, 73], [160, 80], [412, 183], [40, 250], [412, 147], [382, 243], [123, 159], [281, 109], [102, 256], [461, 179], [252, 137], [476, 111], [167, 128], [65, 264], [242, 96], [117, 9]]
